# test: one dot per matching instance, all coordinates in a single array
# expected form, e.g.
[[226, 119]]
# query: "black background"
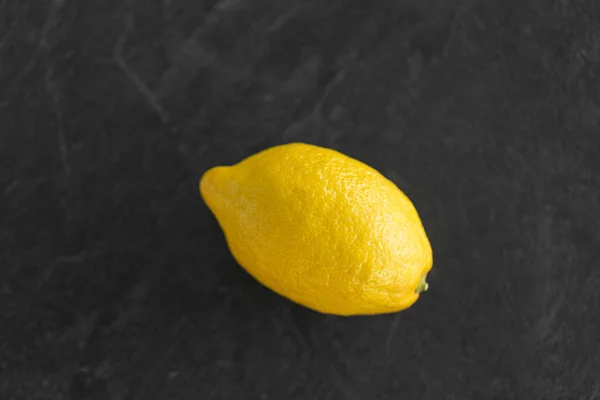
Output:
[[115, 280]]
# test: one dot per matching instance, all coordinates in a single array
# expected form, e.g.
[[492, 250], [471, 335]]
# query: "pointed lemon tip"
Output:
[[210, 177], [210, 180]]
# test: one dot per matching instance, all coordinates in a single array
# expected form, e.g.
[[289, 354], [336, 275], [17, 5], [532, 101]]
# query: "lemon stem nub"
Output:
[[423, 285]]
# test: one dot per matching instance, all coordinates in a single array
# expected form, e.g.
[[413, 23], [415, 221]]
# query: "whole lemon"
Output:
[[322, 229]]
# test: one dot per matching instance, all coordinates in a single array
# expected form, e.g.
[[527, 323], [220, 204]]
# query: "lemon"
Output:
[[321, 229]]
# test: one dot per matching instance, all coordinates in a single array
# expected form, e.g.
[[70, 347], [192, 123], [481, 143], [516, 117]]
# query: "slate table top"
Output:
[[115, 280]]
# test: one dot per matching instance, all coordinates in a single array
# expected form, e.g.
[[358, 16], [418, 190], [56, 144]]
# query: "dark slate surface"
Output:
[[115, 281]]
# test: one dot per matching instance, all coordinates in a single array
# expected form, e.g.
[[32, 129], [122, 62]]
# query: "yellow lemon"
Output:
[[322, 229]]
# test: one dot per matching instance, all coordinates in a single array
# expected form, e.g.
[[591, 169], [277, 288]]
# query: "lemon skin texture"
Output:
[[321, 229]]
